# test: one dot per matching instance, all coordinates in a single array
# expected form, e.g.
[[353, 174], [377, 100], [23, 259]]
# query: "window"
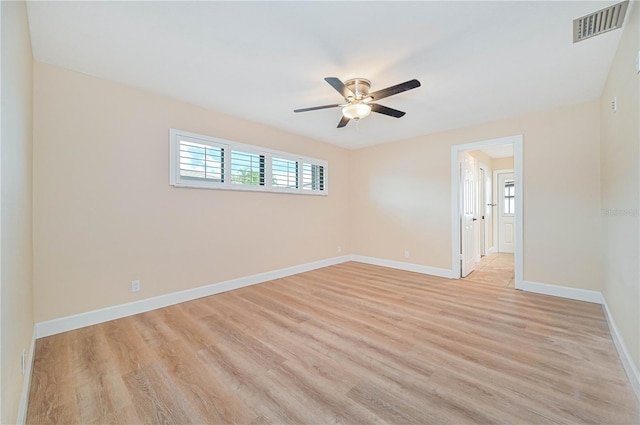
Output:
[[201, 162], [312, 177], [247, 168], [284, 173], [509, 197], [211, 163]]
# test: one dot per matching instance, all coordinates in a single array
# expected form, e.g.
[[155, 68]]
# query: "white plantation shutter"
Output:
[[207, 162], [201, 162], [284, 173], [312, 176], [247, 168]]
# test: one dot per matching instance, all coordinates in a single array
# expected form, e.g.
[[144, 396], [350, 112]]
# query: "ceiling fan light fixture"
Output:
[[356, 111]]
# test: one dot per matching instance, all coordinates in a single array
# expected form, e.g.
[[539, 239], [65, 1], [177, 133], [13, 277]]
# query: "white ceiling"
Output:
[[477, 61]]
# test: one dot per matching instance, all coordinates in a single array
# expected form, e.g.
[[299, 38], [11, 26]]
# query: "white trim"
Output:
[[517, 142], [562, 291], [492, 250], [627, 361], [68, 323], [410, 267], [26, 385], [518, 164]]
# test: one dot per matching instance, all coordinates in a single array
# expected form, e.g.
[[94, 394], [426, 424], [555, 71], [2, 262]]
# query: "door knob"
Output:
[[475, 219]]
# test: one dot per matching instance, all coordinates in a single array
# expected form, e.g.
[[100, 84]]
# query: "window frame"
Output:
[[508, 199], [227, 146]]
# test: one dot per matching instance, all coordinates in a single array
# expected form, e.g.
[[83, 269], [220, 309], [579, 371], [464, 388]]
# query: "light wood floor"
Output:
[[494, 269], [353, 344]]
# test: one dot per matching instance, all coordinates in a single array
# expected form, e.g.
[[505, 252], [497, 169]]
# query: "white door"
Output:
[[487, 211], [485, 216], [506, 215], [468, 217]]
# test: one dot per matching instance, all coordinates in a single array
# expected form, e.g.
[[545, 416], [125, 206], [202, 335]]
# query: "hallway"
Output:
[[494, 269]]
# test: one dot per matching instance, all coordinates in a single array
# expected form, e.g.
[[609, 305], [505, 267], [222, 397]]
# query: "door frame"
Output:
[[456, 150]]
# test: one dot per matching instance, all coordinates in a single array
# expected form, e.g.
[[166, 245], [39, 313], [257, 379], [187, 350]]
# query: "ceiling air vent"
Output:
[[599, 22]]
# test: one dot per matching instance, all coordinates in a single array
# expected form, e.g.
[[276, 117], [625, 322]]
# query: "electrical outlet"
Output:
[[406, 254], [135, 286], [23, 361], [339, 249], [614, 104]]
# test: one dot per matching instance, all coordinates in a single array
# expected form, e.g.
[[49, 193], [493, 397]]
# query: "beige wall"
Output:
[[400, 197], [16, 207], [620, 170], [106, 215]]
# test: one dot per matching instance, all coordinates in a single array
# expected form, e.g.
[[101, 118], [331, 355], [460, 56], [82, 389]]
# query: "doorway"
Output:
[[475, 207]]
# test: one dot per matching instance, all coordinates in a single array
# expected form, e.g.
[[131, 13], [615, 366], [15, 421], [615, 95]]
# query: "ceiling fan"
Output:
[[359, 101]]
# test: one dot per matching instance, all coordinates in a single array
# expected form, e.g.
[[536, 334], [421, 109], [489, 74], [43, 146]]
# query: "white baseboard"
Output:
[[68, 323], [26, 385], [561, 291], [627, 361], [410, 267], [492, 250]]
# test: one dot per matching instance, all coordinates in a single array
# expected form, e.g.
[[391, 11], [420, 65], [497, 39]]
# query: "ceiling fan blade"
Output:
[[390, 91], [339, 86], [314, 108], [386, 111], [344, 121]]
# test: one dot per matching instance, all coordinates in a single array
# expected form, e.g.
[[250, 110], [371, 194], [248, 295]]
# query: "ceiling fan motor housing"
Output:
[[359, 87]]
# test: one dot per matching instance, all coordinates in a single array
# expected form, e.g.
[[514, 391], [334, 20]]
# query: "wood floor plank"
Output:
[[348, 344], [156, 398], [127, 347], [52, 392], [203, 388], [100, 392]]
